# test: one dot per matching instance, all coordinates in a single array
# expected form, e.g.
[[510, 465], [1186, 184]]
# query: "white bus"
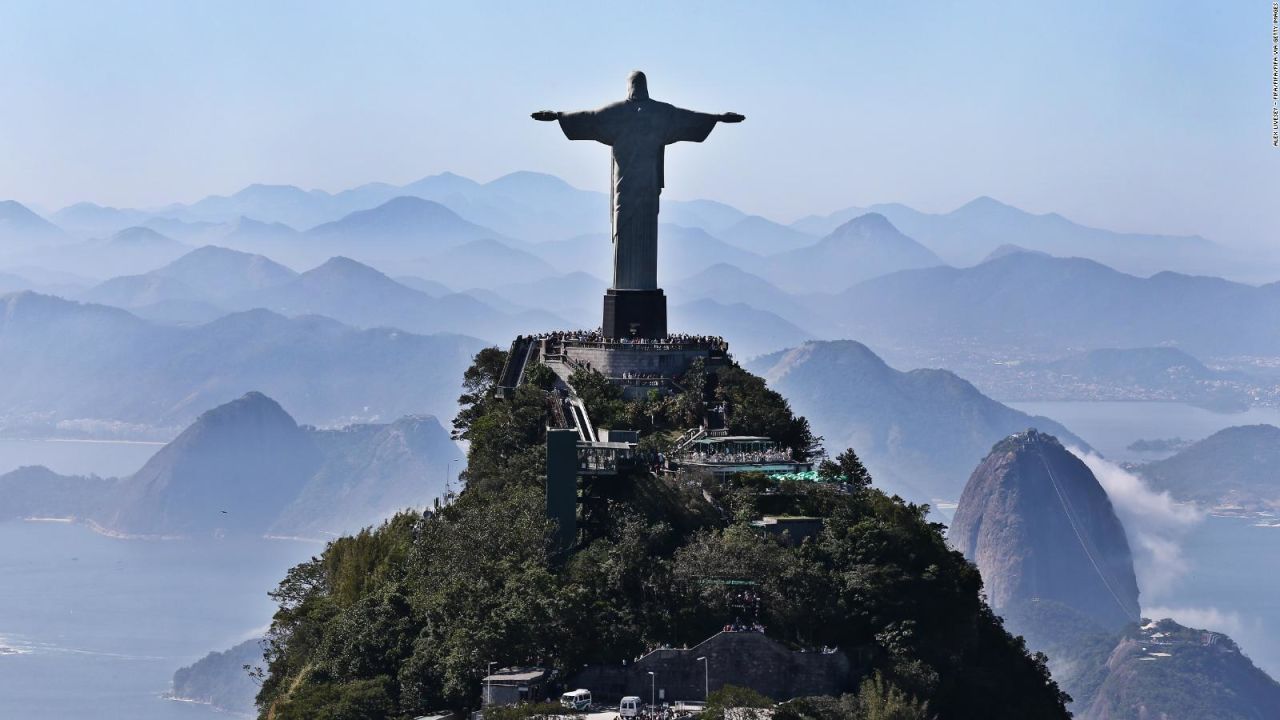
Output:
[[576, 700], [629, 707]]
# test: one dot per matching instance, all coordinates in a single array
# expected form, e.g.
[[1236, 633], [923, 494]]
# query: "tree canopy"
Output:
[[404, 618]]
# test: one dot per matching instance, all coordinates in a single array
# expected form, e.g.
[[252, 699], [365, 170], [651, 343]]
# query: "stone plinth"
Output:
[[621, 361]]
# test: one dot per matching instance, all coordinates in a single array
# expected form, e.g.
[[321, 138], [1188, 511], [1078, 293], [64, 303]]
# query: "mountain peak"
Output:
[[140, 236], [1012, 249], [11, 209], [985, 203], [528, 180], [1040, 527], [342, 265], [872, 223], [238, 464]]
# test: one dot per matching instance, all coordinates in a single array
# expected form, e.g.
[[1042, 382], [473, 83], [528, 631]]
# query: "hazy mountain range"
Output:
[[134, 375], [528, 252], [969, 233], [920, 433], [247, 467], [1031, 302]]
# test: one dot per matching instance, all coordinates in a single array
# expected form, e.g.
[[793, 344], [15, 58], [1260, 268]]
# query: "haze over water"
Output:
[[92, 626]]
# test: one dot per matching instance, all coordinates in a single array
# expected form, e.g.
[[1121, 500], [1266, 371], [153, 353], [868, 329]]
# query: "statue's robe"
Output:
[[638, 131]]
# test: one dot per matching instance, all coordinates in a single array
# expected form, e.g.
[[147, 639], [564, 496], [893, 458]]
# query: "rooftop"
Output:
[[517, 674]]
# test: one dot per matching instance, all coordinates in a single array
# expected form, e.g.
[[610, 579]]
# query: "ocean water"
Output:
[[93, 627]]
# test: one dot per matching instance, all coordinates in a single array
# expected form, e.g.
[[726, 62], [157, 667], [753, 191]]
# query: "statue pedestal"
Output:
[[635, 314]]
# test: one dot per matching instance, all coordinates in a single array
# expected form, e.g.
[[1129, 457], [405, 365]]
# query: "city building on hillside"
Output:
[[514, 685]]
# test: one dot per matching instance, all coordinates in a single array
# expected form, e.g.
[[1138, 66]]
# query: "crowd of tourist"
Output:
[[744, 627], [675, 341], [770, 455], [628, 375]]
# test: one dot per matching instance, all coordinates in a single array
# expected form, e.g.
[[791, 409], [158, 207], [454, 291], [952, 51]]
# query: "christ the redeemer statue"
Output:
[[638, 129]]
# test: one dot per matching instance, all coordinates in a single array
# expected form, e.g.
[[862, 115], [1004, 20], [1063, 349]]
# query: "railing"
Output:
[[688, 438]]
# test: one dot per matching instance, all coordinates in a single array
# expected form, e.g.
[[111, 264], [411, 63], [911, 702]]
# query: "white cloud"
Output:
[[1154, 523], [1207, 618]]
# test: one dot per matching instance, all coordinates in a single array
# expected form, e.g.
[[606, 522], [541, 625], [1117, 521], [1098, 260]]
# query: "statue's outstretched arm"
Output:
[[546, 115], [731, 117]]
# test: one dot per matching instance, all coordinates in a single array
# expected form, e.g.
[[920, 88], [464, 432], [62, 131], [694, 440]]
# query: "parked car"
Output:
[[579, 699]]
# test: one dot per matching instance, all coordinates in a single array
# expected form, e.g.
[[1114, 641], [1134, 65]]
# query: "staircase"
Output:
[[688, 438], [513, 370]]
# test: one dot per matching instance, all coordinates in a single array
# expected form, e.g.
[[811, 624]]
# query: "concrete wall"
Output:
[[615, 361], [745, 659]]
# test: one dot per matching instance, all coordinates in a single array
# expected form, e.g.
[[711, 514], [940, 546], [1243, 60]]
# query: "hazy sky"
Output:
[[1155, 116]]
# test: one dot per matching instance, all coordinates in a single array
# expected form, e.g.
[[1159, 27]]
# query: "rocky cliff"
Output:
[[1035, 521]]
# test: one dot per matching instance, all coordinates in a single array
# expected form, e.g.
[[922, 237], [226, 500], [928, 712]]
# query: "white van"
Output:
[[629, 707], [576, 700]]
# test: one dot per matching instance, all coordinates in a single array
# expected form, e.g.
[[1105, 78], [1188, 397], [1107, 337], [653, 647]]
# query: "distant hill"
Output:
[[1168, 671], [484, 263], [246, 467], [1010, 249], [820, 225], [1238, 466], [219, 678], [919, 432], [729, 284], [207, 283], [865, 247], [763, 236], [219, 274], [1035, 521], [710, 215], [423, 285], [275, 203], [1030, 302], [356, 294], [22, 230], [196, 288], [87, 220], [968, 233], [1133, 366], [237, 466], [577, 296], [402, 228], [131, 251], [16, 279], [749, 330], [326, 372], [134, 291]]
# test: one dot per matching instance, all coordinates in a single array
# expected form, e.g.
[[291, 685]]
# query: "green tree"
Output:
[[737, 703], [880, 700], [847, 468]]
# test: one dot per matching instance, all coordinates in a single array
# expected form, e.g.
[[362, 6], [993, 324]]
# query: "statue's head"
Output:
[[637, 86]]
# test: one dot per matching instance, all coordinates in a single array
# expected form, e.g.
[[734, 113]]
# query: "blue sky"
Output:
[[1153, 116]]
